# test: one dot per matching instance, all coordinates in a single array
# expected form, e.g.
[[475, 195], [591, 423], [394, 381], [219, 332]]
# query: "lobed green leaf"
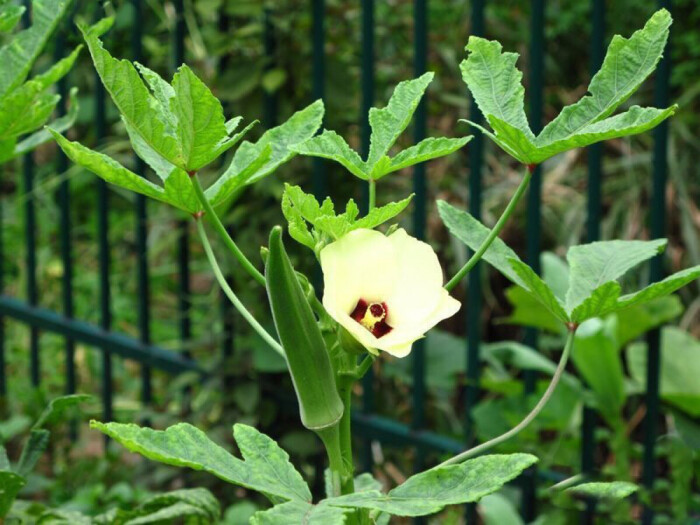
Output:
[[182, 445], [330, 145], [427, 149], [432, 490], [300, 512]]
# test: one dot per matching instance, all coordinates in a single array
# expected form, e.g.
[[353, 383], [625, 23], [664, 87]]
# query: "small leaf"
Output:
[[472, 233], [680, 368], [428, 492], [201, 129], [662, 288], [10, 485], [281, 140], [9, 16], [495, 84], [57, 407], [59, 125], [183, 445], [109, 169], [389, 122], [300, 512], [597, 359], [539, 289], [382, 214], [144, 113], [592, 265], [330, 145], [602, 490], [32, 451], [18, 56], [602, 301], [427, 149]]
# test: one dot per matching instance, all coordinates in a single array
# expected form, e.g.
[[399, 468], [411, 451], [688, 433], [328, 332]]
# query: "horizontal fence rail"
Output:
[[368, 424]]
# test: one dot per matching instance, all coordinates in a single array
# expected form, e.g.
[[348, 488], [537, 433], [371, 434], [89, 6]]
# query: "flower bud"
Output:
[[320, 405]]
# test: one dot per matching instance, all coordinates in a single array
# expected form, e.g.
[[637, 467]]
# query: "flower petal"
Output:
[[361, 264], [406, 334], [418, 285]]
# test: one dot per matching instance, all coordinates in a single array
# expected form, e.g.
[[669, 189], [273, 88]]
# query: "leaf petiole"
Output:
[[221, 230], [475, 451], [232, 296], [494, 232]]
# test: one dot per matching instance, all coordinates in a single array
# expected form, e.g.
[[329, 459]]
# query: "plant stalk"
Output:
[[221, 230], [475, 451], [232, 296], [345, 391], [372, 194], [493, 234], [339, 478]]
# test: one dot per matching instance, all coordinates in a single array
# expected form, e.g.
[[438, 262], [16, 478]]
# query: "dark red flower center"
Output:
[[372, 316]]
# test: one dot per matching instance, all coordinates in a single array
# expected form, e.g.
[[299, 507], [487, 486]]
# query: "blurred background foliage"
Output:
[[225, 45]]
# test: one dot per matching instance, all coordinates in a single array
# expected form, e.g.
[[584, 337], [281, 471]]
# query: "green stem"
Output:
[[364, 365], [372, 194], [492, 235], [528, 419], [331, 440], [345, 390], [221, 230], [231, 295]]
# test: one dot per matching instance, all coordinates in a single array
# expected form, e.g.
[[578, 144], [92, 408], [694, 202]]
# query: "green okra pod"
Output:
[[320, 405]]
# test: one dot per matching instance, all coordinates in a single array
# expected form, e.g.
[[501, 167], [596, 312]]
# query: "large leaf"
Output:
[[18, 56], [627, 63], [300, 512], [266, 467], [495, 83], [432, 490], [680, 368], [253, 161], [593, 290]]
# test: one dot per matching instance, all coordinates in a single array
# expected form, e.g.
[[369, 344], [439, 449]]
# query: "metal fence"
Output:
[[368, 426]]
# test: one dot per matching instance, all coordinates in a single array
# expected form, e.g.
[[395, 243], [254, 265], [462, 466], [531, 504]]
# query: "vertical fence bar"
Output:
[[103, 247], [473, 321], [63, 199], [318, 68], [30, 239], [534, 219], [3, 371], [420, 58], [141, 213], [367, 68], [183, 251], [657, 229], [270, 44], [595, 171]]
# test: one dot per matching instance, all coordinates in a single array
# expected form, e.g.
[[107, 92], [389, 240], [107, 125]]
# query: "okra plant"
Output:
[[383, 289]]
